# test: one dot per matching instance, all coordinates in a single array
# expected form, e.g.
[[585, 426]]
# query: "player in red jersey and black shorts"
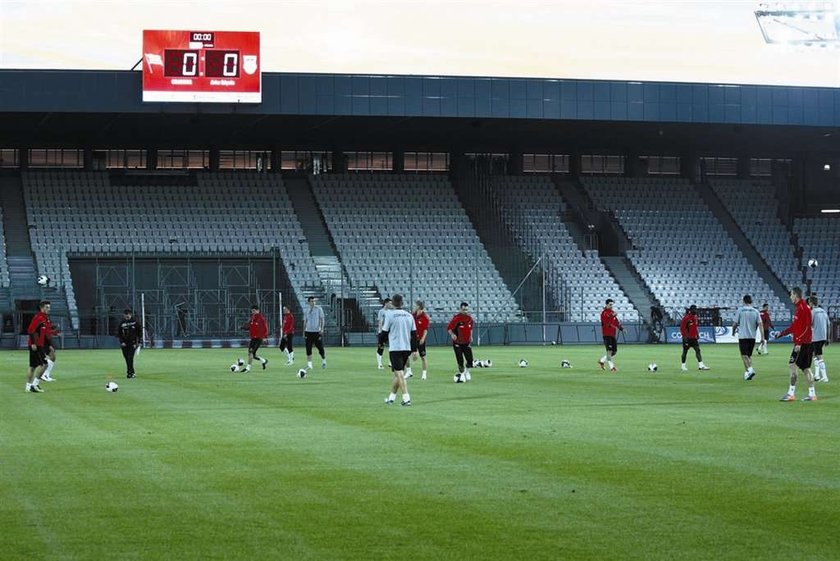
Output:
[[802, 354], [766, 326], [258, 330], [460, 329], [288, 334], [690, 331], [39, 332], [421, 320], [609, 329]]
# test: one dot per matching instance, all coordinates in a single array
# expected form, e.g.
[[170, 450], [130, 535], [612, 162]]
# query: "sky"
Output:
[[712, 41]]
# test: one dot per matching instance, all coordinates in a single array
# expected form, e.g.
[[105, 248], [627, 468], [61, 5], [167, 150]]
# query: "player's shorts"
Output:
[[818, 347], [254, 346], [399, 359], [610, 344], [37, 358], [803, 358], [691, 344], [382, 338], [421, 349], [746, 346]]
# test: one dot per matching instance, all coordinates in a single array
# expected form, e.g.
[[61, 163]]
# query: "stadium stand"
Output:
[[4, 266], [532, 208], [680, 249], [753, 205], [410, 234], [81, 213], [819, 238]]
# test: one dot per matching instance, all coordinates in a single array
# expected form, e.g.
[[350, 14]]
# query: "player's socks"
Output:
[[423, 377], [683, 367], [824, 374], [309, 365], [702, 366], [378, 361], [408, 373], [792, 390], [610, 364], [28, 386], [391, 397], [323, 363], [406, 399], [812, 391], [48, 371], [247, 368], [467, 376], [603, 359]]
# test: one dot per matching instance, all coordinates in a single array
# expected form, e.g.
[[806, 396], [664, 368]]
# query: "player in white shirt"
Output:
[[382, 338], [820, 328], [402, 341], [746, 325]]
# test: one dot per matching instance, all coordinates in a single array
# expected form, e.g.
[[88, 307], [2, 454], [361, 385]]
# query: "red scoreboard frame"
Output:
[[202, 66]]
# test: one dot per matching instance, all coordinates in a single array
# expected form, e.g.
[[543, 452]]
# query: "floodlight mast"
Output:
[[805, 24]]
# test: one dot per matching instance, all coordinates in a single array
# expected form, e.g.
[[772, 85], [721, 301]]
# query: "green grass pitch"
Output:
[[190, 461]]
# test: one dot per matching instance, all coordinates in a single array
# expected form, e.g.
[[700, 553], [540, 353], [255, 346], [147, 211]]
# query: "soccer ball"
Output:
[[237, 366], [234, 368], [652, 367], [565, 364], [302, 373], [112, 386], [483, 363], [458, 378], [813, 263], [43, 280], [523, 363]]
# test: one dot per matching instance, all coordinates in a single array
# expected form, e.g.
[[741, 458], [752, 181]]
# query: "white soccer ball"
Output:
[[457, 378], [488, 363], [813, 263], [112, 386], [241, 362], [565, 364], [43, 280], [523, 363], [234, 368], [652, 367], [301, 373]]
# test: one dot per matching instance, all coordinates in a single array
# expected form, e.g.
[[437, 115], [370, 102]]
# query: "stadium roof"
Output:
[[103, 109]]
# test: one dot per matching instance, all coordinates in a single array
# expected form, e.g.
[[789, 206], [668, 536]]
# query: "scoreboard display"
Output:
[[202, 66]]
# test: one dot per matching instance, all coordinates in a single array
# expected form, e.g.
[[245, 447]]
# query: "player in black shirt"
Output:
[[130, 335]]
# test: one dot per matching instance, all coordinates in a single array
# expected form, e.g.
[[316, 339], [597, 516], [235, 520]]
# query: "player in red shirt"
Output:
[[766, 326], [802, 355], [288, 333], [609, 328], [690, 331], [421, 320], [460, 329], [39, 332], [258, 329]]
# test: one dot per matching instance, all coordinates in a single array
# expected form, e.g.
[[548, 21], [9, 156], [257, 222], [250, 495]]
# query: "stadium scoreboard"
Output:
[[202, 66]]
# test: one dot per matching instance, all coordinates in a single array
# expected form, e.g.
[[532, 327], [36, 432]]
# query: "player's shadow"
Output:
[[462, 398]]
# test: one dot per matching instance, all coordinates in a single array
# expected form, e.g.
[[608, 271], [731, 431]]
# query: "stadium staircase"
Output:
[[731, 227], [612, 242], [509, 258], [23, 290], [632, 284], [330, 270]]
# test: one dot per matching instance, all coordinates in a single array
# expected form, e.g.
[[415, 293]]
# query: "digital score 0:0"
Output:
[[201, 66]]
